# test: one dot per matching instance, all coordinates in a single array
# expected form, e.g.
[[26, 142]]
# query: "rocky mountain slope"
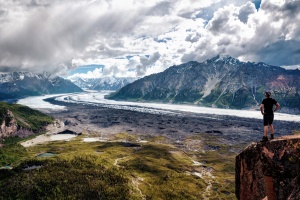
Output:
[[222, 81], [20, 84], [18, 120], [269, 171], [104, 83]]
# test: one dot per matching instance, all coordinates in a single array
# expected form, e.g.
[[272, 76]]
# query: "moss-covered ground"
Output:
[[219, 157], [121, 169]]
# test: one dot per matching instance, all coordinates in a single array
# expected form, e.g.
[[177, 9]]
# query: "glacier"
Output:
[[98, 99]]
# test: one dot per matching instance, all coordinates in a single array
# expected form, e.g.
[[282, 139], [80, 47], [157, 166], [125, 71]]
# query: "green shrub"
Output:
[[77, 178], [11, 153]]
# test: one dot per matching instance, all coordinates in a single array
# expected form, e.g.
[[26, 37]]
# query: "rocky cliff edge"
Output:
[[269, 170]]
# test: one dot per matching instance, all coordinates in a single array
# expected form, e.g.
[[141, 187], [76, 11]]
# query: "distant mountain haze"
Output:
[[21, 84], [104, 83], [222, 81]]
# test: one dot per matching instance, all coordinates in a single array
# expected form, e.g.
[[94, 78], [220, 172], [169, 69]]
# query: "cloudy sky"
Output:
[[140, 37]]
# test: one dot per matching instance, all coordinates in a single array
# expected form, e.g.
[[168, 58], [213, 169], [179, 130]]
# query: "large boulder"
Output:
[[269, 170]]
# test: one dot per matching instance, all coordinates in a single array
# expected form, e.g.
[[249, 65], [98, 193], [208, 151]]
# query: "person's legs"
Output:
[[266, 128], [266, 131], [271, 126], [272, 131]]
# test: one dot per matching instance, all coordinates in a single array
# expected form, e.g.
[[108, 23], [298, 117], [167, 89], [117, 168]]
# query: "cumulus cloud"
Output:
[[2, 12], [42, 37], [91, 74], [245, 11], [45, 38], [146, 62], [276, 33], [137, 37], [252, 35], [282, 52]]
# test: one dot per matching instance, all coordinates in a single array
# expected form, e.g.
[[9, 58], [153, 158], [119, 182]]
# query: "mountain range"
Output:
[[222, 81], [21, 84], [104, 83]]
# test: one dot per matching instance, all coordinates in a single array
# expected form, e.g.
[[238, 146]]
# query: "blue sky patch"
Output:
[[85, 69]]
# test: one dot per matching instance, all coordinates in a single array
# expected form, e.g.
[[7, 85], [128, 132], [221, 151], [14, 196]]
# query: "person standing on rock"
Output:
[[267, 111]]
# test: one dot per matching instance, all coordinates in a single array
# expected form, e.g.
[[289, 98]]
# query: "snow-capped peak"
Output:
[[224, 59], [103, 83]]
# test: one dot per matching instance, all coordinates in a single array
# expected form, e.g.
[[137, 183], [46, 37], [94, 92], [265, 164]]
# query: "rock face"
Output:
[[21, 121], [222, 81], [9, 125], [269, 170]]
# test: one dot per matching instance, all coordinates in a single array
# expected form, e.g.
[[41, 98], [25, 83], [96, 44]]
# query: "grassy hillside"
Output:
[[25, 116], [118, 170], [80, 177]]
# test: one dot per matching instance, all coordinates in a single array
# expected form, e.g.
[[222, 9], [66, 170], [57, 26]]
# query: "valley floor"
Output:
[[175, 127], [161, 156]]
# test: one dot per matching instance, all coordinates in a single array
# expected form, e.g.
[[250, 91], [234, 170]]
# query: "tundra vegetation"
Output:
[[32, 122], [196, 168]]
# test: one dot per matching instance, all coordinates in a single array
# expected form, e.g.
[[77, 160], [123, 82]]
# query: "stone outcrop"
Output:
[[9, 125], [21, 121], [269, 171]]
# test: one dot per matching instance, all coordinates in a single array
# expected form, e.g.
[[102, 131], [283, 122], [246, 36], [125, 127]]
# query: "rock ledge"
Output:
[[269, 170]]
